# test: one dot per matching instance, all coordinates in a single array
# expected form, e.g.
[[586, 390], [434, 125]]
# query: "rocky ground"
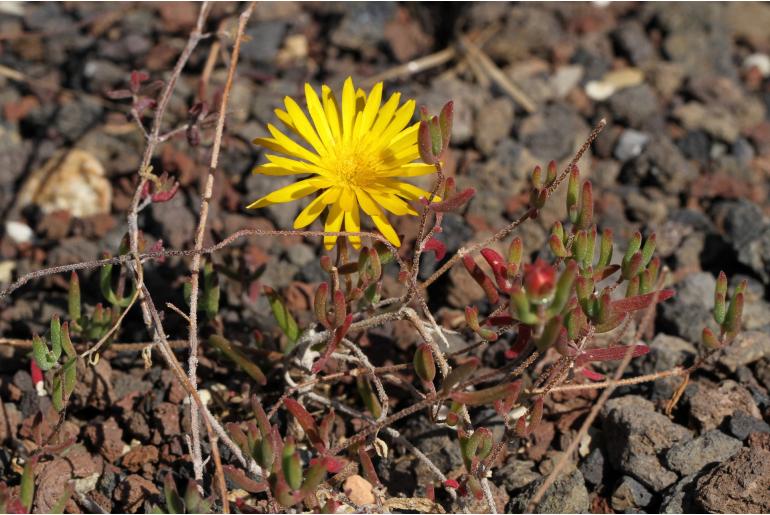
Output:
[[685, 91]]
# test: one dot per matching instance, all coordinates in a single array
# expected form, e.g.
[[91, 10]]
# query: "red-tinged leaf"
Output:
[[166, 194], [640, 301], [425, 144], [333, 465], [340, 308], [144, 103], [482, 279], [610, 353], [522, 339], [445, 122], [15, 506], [366, 463], [435, 246], [430, 492], [495, 260], [499, 268], [37, 374], [240, 480], [539, 278], [460, 373], [499, 320], [591, 374], [453, 203], [487, 395], [536, 413], [339, 334], [451, 483], [119, 94], [504, 406], [605, 272], [306, 421], [137, 77]]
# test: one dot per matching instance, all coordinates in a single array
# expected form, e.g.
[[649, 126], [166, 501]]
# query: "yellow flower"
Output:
[[355, 155]]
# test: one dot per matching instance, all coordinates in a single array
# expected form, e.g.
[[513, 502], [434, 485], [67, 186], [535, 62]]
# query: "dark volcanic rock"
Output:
[[742, 424], [630, 494], [567, 495], [593, 467], [640, 435], [738, 485], [690, 309], [660, 163], [690, 457], [679, 498]]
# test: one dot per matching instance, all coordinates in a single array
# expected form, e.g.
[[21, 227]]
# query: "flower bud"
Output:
[[539, 280]]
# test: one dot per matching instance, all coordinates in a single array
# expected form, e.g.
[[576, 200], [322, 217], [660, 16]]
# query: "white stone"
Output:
[[599, 90], [19, 231], [760, 61]]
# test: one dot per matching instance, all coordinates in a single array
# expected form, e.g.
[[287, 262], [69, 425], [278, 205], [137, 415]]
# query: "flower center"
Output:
[[354, 168]]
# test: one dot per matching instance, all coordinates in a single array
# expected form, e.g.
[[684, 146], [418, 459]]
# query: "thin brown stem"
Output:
[[199, 235]]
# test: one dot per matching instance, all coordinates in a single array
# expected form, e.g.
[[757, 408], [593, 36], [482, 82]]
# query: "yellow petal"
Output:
[[392, 203], [347, 199], [318, 116], [406, 190], [348, 108], [303, 125], [367, 203], [405, 139], [353, 224], [403, 157], [387, 230], [286, 119], [409, 170], [333, 224], [297, 166], [384, 116], [400, 119], [274, 170], [308, 215], [292, 147], [271, 144], [291, 192], [332, 111], [371, 209], [370, 109]]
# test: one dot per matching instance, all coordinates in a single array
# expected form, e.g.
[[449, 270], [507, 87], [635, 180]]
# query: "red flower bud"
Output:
[[539, 279]]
